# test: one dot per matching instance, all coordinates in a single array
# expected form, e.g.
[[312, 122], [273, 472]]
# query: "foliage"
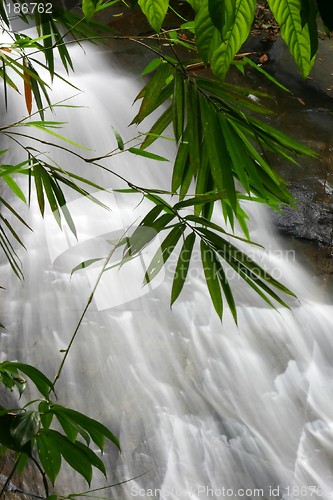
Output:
[[222, 139], [28, 432]]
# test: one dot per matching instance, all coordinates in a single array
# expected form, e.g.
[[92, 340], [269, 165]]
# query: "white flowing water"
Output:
[[203, 409]]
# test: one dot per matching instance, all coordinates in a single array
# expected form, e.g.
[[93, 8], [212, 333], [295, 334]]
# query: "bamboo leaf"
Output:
[[164, 252], [180, 165], [27, 89], [14, 187], [146, 154], [210, 271], [84, 264], [158, 128], [178, 105], [182, 267]]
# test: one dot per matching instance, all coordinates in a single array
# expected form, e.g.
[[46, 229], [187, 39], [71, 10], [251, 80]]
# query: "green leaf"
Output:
[[235, 31], [146, 154], [269, 77], [95, 429], [40, 126], [198, 200], [92, 457], [43, 384], [159, 126], [151, 66], [217, 12], [164, 252], [213, 285], [297, 37], [73, 454], [207, 36], [86, 263], [25, 427], [182, 267], [181, 162], [155, 11], [194, 127], [49, 456], [88, 8], [6, 438], [178, 104], [14, 187], [119, 139]]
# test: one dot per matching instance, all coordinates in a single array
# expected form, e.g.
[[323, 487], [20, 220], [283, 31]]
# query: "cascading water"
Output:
[[202, 409]]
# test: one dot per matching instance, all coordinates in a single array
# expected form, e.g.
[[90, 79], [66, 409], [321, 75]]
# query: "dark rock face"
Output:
[[311, 220]]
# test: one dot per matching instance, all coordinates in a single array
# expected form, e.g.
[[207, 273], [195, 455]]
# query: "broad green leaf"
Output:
[[96, 430], [92, 457], [155, 11], [217, 12], [43, 384], [6, 439], [25, 427], [235, 31], [196, 4], [297, 37], [182, 267], [207, 36], [45, 416], [49, 456], [73, 454], [88, 8]]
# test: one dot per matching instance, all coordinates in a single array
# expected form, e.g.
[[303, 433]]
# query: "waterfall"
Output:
[[203, 409]]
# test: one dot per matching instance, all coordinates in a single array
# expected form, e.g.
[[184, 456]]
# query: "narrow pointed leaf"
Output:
[[182, 267], [210, 271]]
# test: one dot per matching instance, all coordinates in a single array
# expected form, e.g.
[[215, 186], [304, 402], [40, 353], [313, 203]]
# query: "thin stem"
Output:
[[91, 296]]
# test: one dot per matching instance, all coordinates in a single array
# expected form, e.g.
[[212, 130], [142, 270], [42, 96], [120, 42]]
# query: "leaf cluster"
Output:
[[30, 434]]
